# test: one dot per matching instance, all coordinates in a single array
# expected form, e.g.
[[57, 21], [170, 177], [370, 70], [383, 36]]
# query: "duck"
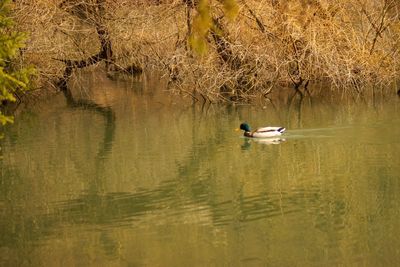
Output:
[[263, 132]]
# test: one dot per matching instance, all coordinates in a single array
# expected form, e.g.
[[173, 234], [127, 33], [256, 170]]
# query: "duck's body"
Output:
[[263, 132]]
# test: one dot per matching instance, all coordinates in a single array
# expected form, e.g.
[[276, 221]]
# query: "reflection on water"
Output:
[[266, 141], [126, 175]]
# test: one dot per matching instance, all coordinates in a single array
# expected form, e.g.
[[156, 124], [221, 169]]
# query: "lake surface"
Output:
[[131, 176]]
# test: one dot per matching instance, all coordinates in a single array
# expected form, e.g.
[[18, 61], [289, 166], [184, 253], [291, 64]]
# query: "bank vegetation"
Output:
[[217, 50]]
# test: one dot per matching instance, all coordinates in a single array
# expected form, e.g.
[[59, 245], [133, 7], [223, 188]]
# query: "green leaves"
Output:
[[12, 78], [231, 8], [202, 22]]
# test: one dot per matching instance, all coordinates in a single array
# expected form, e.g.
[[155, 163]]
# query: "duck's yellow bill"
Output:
[[237, 129]]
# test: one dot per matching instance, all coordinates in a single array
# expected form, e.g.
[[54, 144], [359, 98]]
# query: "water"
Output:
[[146, 179]]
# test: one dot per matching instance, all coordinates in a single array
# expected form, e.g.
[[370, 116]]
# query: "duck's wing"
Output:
[[270, 129]]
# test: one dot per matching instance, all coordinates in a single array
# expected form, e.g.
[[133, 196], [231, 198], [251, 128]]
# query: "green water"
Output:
[[141, 180]]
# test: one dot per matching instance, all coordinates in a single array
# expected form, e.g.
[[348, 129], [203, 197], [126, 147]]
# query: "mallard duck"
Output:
[[263, 132]]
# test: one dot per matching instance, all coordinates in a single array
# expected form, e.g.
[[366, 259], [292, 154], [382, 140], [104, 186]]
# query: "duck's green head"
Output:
[[245, 127]]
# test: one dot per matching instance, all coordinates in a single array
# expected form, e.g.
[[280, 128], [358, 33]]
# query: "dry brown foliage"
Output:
[[348, 44]]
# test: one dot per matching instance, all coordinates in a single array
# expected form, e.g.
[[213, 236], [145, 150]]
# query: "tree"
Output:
[[203, 22], [13, 80]]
